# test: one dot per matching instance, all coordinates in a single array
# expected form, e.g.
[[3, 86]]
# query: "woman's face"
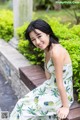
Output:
[[39, 39]]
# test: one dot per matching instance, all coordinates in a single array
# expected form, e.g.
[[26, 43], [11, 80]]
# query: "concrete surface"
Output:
[[8, 98]]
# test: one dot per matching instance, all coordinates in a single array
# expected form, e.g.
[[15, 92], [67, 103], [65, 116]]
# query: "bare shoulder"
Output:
[[57, 50], [59, 53]]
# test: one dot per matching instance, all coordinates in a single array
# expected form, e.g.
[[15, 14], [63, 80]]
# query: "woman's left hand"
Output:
[[63, 112]]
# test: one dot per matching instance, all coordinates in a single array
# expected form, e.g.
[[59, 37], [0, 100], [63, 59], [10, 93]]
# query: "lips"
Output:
[[41, 45]]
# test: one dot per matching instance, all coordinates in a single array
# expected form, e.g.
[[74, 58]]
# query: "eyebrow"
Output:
[[32, 38], [38, 34]]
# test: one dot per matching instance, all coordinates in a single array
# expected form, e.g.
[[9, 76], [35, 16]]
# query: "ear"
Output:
[[48, 36]]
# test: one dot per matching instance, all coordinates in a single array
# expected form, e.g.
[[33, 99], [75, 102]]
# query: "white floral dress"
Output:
[[43, 102]]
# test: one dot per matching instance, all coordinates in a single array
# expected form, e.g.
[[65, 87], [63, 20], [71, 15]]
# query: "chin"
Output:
[[43, 48]]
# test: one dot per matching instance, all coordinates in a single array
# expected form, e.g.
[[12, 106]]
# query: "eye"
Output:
[[39, 36], [33, 40]]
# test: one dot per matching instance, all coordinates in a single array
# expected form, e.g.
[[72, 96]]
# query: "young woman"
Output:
[[52, 99]]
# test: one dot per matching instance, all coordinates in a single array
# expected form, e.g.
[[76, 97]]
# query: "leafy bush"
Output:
[[73, 47], [31, 53], [68, 38], [43, 4], [62, 30], [6, 25], [76, 30]]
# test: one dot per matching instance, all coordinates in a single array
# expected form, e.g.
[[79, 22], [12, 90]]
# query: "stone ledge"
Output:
[[10, 62], [32, 76], [12, 55]]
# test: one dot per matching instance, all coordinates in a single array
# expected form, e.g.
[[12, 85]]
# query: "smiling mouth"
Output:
[[40, 45]]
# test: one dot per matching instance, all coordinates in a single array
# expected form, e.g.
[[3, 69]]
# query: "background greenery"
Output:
[[6, 25]]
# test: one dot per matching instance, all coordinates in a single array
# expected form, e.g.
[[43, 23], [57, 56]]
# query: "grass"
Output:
[[7, 5], [65, 15]]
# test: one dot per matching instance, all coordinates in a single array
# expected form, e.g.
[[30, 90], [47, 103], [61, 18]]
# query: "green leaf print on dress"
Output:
[[19, 108], [67, 88], [36, 99], [55, 92], [42, 91], [49, 103], [43, 113], [31, 110]]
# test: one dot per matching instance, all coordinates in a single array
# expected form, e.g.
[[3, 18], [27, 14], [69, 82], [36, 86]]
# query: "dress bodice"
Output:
[[67, 69]]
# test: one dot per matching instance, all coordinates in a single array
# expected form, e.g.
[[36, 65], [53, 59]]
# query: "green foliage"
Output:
[[62, 30], [38, 3], [6, 25], [76, 30], [69, 38], [73, 47], [43, 4], [49, 4], [30, 52], [21, 30]]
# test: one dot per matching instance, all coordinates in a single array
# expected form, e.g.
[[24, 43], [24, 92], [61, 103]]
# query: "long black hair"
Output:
[[44, 27]]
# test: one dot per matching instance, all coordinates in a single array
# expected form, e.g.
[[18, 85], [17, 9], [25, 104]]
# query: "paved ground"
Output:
[[7, 97]]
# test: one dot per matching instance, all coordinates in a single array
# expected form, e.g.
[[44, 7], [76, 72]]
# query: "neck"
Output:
[[46, 50]]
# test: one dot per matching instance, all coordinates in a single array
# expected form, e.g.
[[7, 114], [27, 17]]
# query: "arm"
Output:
[[58, 59]]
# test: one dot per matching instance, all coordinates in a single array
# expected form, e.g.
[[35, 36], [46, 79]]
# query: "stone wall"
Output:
[[10, 62]]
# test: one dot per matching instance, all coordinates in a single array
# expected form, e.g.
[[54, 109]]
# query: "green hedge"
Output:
[[73, 47], [33, 54], [69, 38], [6, 25]]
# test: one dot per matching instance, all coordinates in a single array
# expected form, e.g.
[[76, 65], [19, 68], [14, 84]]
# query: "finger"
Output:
[[60, 115], [59, 118], [63, 116]]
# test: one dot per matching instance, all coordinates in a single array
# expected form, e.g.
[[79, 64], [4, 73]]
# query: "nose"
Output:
[[37, 41]]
